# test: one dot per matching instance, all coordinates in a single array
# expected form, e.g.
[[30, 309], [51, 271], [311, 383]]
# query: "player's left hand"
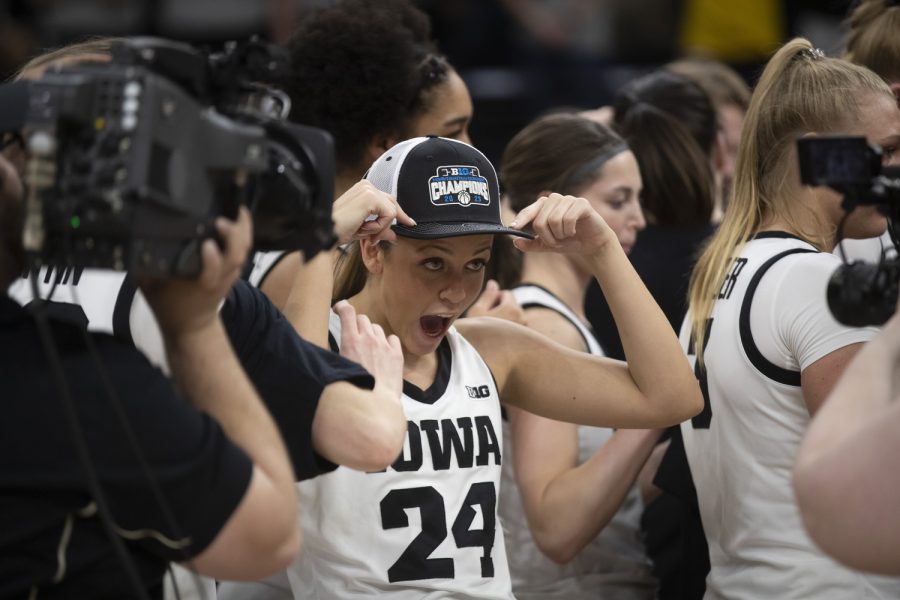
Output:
[[564, 224]]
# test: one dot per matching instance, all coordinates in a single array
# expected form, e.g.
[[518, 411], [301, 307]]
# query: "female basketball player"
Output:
[[767, 349], [572, 530], [427, 524]]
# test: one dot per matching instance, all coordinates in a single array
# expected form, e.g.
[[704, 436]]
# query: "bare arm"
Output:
[[656, 388], [845, 474], [261, 536], [357, 428], [567, 504]]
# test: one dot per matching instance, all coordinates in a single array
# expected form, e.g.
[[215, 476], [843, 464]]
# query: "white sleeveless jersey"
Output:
[[614, 565], [769, 322], [263, 263], [425, 527]]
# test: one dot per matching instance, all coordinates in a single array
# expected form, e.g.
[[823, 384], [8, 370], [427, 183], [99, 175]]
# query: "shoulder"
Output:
[[555, 326]]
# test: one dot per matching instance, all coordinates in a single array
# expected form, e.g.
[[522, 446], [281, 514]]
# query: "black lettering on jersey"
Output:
[[731, 278], [414, 462], [480, 391], [448, 443], [487, 441], [62, 275]]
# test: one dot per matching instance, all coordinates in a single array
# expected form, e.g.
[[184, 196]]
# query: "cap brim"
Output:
[[425, 231]]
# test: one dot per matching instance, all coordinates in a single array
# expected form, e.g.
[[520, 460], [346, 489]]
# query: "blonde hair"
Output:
[[874, 38], [800, 91], [350, 272], [90, 47], [721, 83]]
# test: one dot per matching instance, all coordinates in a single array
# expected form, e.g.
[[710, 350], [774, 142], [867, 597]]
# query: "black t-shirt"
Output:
[[288, 372], [48, 525], [664, 258]]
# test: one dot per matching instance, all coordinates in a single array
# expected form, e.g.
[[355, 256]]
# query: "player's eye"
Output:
[[433, 264], [476, 265]]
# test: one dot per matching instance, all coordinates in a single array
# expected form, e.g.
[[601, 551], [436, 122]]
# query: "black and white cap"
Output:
[[448, 187]]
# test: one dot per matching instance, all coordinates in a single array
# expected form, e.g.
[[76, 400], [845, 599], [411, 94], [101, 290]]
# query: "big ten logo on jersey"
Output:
[[459, 185], [731, 278], [478, 391]]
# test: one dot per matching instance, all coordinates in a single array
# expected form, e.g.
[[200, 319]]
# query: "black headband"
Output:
[[591, 166]]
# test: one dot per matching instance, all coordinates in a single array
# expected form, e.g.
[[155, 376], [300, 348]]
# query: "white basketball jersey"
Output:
[[770, 321], [263, 263], [109, 301], [425, 527], [614, 565]]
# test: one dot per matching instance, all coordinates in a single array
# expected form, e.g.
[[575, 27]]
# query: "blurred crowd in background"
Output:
[[519, 57]]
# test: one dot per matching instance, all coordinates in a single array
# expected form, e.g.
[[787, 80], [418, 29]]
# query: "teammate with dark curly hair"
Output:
[[369, 73]]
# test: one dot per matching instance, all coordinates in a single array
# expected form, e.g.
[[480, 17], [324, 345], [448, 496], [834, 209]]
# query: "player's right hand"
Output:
[[364, 211], [364, 342]]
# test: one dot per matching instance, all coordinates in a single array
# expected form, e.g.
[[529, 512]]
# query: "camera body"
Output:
[[131, 161], [859, 293]]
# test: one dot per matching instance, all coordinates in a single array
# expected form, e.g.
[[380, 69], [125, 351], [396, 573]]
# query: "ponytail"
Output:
[[350, 273], [800, 91]]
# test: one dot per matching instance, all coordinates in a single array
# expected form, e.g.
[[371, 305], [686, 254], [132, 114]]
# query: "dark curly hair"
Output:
[[361, 69]]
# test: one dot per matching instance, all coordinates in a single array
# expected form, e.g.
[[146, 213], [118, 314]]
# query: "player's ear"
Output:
[[372, 254]]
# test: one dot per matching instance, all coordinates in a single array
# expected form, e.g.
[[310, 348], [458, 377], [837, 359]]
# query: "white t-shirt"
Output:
[[767, 326], [614, 565]]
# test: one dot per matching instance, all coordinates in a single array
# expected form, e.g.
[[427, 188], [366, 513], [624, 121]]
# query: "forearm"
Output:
[[357, 428], [205, 367], [576, 505], [848, 492], [656, 361], [309, 301]]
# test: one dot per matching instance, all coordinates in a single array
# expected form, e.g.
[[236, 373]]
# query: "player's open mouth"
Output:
[[435, 325]]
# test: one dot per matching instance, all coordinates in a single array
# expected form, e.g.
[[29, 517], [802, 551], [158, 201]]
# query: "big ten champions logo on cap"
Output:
[[459, 185]]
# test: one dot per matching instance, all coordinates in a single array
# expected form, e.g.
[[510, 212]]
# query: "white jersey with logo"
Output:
[[427, 526], [614, 565], [769, 322]]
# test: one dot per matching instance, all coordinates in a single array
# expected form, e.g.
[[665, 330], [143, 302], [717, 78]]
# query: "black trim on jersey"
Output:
[[527, 305], [763, 235], [121, 317], [441, 378], [762, 364], [332, 344], [272, 267]]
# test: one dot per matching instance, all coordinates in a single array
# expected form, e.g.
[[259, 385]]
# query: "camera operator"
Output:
[[845, 474], [219, 462], [873, 42], [362, 426], [326, 407]]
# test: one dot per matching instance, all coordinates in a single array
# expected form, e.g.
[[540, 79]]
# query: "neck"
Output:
[[805, 223], [560, 275]]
